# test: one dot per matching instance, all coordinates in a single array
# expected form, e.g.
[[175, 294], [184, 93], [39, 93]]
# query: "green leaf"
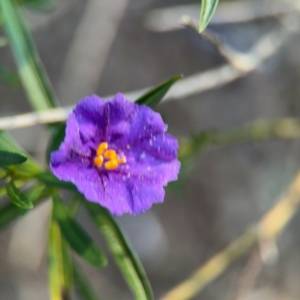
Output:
[[83, 287], [18, 184], [51, 180], [76, 236], [11, 158], [57, 138], [127, 261], [68, 265], [10, 212], [17, 197], [60, 264], [74, 204], [208, 8], [7, 143], [8, 77], [33, 77], [60, 269], [154, 96]]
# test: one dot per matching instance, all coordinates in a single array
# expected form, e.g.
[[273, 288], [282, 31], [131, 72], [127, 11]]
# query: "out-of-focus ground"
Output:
[[104, 47]]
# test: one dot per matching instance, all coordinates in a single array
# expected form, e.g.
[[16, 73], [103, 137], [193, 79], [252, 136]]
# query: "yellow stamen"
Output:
[[98, 161], [111, 157], [110, 154], [101, 148], [111, 165]]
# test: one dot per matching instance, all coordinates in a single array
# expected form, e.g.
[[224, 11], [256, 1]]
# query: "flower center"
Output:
[[108, 156]]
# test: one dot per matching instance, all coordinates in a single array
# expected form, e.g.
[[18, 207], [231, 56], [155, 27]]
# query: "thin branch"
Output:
[[34, 118], [268, 228], [263, 49], [235, 58], [228, 12], [249, 274], [265, 253], [239, 60], [259, 131]]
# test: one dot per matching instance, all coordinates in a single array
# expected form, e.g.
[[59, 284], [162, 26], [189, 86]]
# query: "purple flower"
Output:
[[117, 153]]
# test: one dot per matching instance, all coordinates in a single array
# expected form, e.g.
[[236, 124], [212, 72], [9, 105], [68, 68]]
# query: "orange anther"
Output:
[[108, 157], [110, 154], [98, 161], [111, 165], [101, 148]]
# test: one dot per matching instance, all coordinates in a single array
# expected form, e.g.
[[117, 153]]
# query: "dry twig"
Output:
[[228, 12], [263, 49], [268, 228], [248, 275]]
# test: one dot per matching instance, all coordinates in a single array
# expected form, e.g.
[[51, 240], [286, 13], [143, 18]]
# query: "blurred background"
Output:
[[110, 46]]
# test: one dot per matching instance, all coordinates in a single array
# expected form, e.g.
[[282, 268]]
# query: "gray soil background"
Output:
[[103, 47]]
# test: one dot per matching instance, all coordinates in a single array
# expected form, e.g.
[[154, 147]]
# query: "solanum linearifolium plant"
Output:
[[119, 156], [113, 156]]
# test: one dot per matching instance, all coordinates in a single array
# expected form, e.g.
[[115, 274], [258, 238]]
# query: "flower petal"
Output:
[[152, 173], [90, 116], [72, 145], [130, 123], [123, 195]]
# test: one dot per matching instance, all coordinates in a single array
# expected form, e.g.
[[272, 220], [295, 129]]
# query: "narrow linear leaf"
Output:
[[68, 265], [33, 77], [18, 184], [60, 263], [7, 143], [74, 205], [58, 270], [76, 236], [208, 8], [154, 96], [10, 212], [11, 158], [83, 287], [127, 261], [17, 197], [51, 180]]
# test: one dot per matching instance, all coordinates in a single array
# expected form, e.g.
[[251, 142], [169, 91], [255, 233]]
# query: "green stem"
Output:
[[129, 264], [33, 77], [257, 131], [59, 273], [83, 287]]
